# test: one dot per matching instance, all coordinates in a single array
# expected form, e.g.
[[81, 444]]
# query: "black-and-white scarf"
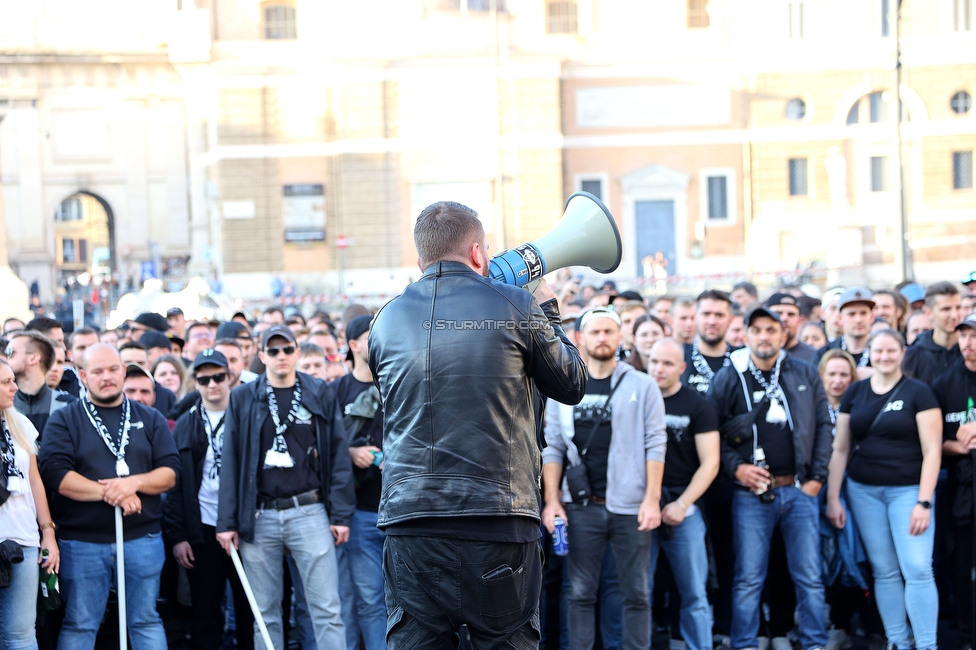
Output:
[[279, 445], [701, 366], [863, 361], [8, 457], [121, 468], [215, 436]]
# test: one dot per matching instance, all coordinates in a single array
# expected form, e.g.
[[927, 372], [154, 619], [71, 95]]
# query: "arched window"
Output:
[[961, 102], [70, 210], [796, 109]]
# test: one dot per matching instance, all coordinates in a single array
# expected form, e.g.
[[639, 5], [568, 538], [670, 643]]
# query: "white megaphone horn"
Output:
[[586, 236]]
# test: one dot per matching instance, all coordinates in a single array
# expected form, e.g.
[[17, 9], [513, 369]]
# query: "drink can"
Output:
[[560, 539]]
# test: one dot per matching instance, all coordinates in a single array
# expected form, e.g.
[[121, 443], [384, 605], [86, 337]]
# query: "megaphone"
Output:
[[585, 236]]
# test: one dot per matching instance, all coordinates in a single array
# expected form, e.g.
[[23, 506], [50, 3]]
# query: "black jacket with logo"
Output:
[[954, 389], [246, 414]]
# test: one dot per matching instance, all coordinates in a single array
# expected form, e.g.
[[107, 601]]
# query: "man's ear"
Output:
[[420, 264]]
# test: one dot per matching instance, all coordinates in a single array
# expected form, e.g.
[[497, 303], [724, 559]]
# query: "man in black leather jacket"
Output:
[[455, 358]]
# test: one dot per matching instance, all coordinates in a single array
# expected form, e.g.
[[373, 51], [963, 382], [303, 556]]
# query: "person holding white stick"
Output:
[[101, 452]]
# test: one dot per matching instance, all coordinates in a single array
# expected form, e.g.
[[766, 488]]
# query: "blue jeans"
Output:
[[18, 602], [591, 528], [882, 516], [304, 531], [365, 554], [689, 562], [87, 573], [753, 523], [303, 622], [611, 605], [347, 598]]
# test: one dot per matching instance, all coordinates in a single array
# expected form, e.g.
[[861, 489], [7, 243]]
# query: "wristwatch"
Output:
[[925, 504]]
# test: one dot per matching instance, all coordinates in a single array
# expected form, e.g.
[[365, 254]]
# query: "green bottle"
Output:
[[50, 589]]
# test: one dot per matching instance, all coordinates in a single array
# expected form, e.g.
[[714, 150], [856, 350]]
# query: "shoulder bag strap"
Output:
[[599, 420], [901, 384]]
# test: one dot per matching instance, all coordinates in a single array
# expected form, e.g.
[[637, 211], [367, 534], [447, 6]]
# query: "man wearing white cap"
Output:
[[856, 315], [620, 420]]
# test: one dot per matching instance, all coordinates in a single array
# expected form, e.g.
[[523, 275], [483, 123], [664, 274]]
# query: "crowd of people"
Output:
[[786, 472]]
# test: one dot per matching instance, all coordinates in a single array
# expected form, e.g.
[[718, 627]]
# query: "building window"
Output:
[[879, 173], [885, 21], [83, 250], [962, 15], [279, 22], [70, 210], [561, 17], [879, 107], [68, 251], [961, 102], [854, 115], [798, 177], [796, 109], [795, 11], [962, 170], [718, 197], [592, 185], [697, 14]]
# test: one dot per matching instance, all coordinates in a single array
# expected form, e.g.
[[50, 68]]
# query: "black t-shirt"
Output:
[[776, 439], [277, 482], [585, 415], [687, 414], [890, 452], [369, 481], [694, 379], [839, 344]]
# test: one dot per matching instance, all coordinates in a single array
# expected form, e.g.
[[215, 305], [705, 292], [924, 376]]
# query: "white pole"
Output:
[[120, 572], [250, 597]]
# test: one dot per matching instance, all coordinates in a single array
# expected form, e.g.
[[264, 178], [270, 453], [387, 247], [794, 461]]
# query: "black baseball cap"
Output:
[[356, 328], [135, 370], [232, 330], [277, 330], [153, 320], [968, 321], [778, 299], [760, 312], [153, 339], [210, 357]]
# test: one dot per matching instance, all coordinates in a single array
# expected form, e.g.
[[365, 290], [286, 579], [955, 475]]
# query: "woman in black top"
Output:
[[895, 426]]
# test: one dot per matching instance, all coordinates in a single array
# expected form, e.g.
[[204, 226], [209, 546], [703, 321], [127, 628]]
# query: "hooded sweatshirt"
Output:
[[925, 359]]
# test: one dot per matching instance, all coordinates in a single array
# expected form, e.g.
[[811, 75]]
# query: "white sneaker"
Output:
[[721, 642], [781, 643], [837, 639], [764, 643], [677, 644]]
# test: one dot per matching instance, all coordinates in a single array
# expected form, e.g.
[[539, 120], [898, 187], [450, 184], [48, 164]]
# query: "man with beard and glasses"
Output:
[[190, 511], [856, 316], [708, 352], [101, 452], [956, 391], [788, 308], [286, 484], [619, 423], [936, 351], [773, 409], [462, 502], [30, 355]]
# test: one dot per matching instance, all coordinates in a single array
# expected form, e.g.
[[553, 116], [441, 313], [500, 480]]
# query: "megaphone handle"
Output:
[[532, 286]]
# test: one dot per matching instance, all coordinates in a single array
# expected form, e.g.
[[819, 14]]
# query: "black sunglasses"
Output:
[[217, 379], [273, 352]]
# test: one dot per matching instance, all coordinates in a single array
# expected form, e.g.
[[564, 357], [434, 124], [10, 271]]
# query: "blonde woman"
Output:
[[21, 515], [169, 372]]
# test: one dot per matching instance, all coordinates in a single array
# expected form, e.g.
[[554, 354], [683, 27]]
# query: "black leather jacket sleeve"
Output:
[[342, 491], [555, 364]]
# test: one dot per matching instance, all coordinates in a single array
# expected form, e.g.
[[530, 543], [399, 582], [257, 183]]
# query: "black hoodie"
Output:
[[956, 390], [925, 359]]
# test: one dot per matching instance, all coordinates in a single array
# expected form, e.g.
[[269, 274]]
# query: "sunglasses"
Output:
[[217, 379], [9, 352], [285, 349]]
